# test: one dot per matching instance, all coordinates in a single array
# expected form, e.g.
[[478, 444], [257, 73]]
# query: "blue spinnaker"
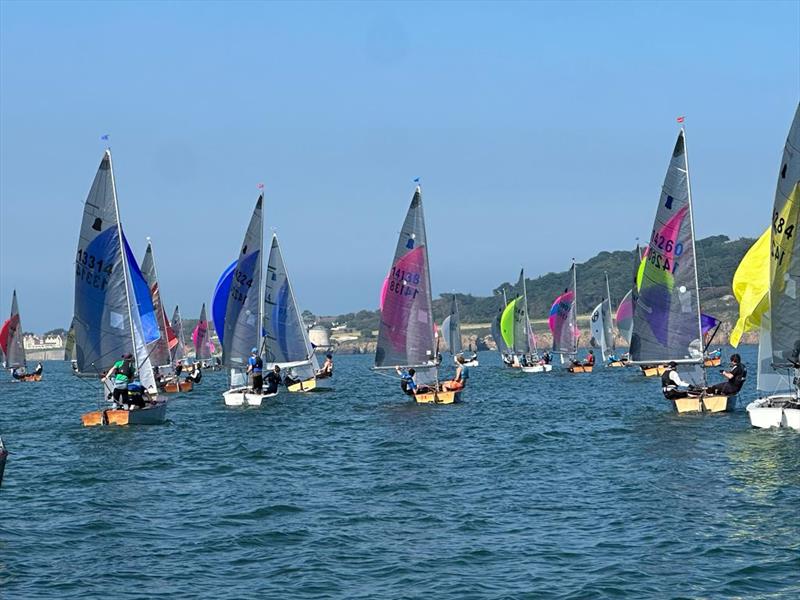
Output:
[[219, 303]]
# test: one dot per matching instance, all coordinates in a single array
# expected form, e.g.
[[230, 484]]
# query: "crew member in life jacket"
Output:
[[326, 370], [122, 372], [196, 375], [38, 370], [459, 381], [735, 379], [671, 381], [273, 380], [407, 382], [255, 366]]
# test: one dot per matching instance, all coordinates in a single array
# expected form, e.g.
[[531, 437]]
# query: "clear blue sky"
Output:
[[541, 132]]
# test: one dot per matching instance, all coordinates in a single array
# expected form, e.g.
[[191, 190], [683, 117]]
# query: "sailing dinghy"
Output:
[[286, 337], [237, 314], [666, 317], [451, 332], [601, 326], [113, 312], [563, 323], [779, 343], [178, 354], [406, 337], [161, 349], [13, 348], [515, 328]]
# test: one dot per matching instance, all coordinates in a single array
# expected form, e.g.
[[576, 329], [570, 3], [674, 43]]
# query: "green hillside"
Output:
[[717, 258]]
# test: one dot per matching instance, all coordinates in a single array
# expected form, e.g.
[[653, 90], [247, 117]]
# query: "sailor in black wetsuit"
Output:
[[735, 379], [670, 381], [273, 380]]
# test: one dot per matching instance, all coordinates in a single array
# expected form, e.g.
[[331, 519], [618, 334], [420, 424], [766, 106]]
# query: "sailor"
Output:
[[273, 380], [178, 369], [459, 381], [407, 382], [590, 359], [735, 378], [547, 358], [196, 375], [254, 367], [327, 367], [18, 373], [136, 395], [39, 368], [290, 379], [671, 380], [122, 372], [613, 357]]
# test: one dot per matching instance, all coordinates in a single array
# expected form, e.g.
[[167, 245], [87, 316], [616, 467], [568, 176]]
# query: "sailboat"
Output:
[[114, 312], [286, 337], [13, 348], [162, 349], [516, 331], [406, 336], [497, 335], [201, 339], [451, 331], [563, 323], [666, 317], [240, 325], [779, 342], [601, 326]]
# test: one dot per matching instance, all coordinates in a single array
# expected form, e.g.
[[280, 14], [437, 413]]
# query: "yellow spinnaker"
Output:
[[751, 287], [507, 323]]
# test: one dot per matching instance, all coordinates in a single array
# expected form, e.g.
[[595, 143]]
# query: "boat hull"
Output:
[[441, 397], [712, 362], [245, 397], [151, 415], [537, 369], [173, 387], [472, 363], [580, 369], [654, 371], [774, 411], [701, 404], [616, 363]]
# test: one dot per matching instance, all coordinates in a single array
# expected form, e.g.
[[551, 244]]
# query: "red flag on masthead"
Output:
[[681, 119]]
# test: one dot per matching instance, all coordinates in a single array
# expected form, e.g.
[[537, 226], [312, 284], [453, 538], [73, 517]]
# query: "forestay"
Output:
[[785, 257], [406, 333], [666, 319], [286, 337]]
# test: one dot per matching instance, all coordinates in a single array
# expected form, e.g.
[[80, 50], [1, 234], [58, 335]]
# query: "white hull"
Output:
[[244, 397], [472, 363], [537, 369], [770, 412]]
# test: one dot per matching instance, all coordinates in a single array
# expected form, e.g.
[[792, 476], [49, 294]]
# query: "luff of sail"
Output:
[[159, 353], [286, 341], [406, 333], [666, 319], [785, 257], [11, 338], [242, 312]]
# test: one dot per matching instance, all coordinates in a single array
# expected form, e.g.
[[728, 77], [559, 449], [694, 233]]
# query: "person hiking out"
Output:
[[122, 373], [734, 379]]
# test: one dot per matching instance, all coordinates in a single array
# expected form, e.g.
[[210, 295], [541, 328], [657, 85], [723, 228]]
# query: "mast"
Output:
[[124, 251], [694, 252], [574, 321]]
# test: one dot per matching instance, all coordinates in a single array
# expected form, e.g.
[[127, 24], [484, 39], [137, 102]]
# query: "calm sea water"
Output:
[[557, 486]]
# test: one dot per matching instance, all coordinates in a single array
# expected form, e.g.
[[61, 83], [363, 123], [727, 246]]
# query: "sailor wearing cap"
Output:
[[671, 381]]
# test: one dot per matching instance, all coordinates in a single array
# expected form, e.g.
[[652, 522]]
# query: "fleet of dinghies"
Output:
[[131, 354]]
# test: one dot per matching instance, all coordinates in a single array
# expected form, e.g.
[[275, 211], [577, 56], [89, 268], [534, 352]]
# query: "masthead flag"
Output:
[[681, 119]]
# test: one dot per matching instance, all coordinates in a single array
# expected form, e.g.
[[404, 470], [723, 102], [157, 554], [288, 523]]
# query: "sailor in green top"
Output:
[[122, 373]]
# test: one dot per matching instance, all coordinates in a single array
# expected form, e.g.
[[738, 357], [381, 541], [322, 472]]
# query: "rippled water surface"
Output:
[[546, 485]]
